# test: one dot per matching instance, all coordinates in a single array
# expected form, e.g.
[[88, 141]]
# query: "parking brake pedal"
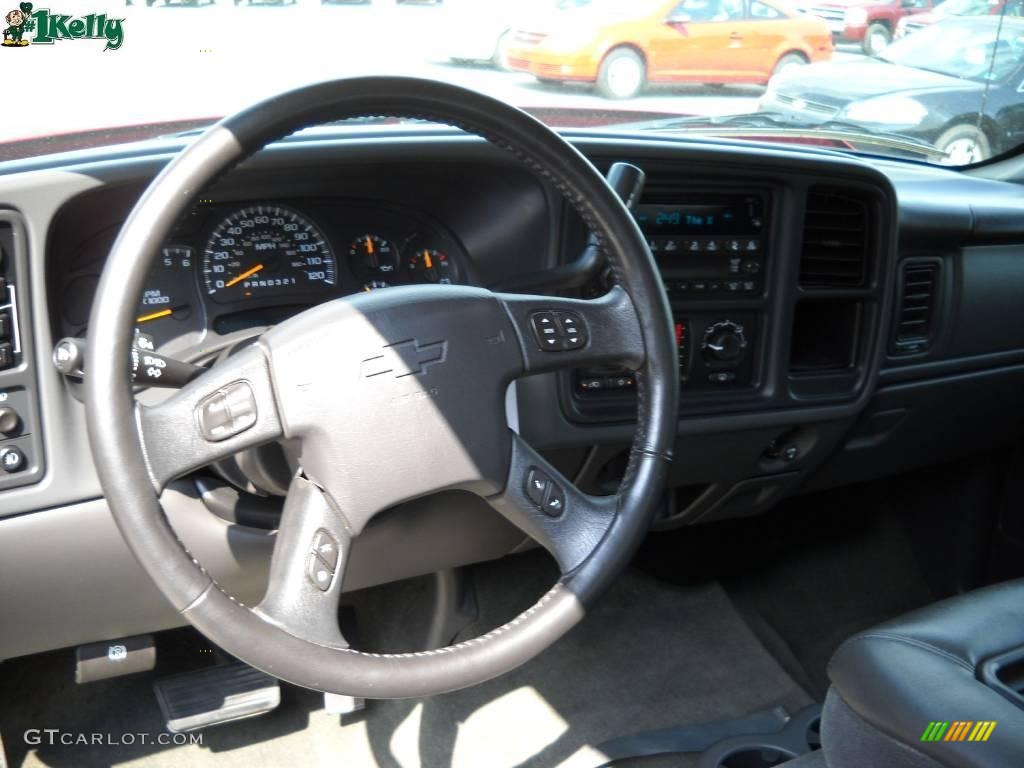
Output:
[[215, 695]]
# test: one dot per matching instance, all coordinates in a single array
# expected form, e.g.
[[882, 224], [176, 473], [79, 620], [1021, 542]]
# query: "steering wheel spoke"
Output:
[[557, 333], [544, 504], [226, 410], [307, 569]]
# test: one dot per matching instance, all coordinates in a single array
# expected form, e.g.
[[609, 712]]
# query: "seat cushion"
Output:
[[890, 682]]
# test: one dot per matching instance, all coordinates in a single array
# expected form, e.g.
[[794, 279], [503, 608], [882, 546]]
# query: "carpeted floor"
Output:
[[651, 655]]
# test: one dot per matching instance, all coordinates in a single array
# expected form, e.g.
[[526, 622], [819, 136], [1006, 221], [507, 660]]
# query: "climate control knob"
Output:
[[724, 342]]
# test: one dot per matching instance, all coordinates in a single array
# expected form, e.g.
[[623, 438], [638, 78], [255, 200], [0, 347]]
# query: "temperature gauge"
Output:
[[431, 266], [372, 258]]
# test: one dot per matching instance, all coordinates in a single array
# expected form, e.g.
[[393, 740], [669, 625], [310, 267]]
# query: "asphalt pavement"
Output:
[[180, 63]]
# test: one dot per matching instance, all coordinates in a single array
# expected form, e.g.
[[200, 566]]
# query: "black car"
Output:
[[956, 85]]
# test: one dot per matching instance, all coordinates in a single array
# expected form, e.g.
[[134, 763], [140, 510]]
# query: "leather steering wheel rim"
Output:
[[632, 324]]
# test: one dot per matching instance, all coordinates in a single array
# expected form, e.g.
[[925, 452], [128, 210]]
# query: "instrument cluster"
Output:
[[228, 267]]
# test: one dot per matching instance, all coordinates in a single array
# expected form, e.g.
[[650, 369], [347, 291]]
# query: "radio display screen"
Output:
[[727, 216]]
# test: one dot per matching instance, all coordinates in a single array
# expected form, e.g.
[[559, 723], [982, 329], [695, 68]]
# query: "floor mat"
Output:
[[650, 655]]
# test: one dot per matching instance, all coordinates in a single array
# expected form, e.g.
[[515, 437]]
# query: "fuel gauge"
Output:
[[428, 265]]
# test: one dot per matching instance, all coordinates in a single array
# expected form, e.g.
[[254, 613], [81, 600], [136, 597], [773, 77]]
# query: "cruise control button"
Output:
[[554, 502], [326, 548], [12, 459], [537, 486], [227, 412], [319, 573]]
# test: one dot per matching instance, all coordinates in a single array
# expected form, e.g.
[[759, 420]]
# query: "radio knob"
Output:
[[724, 342]]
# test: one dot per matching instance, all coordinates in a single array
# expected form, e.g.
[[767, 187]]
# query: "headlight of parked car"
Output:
[[886, 110], [856, 17]]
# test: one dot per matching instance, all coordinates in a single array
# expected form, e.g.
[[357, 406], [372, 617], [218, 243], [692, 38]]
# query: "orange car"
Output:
[[621, 45]]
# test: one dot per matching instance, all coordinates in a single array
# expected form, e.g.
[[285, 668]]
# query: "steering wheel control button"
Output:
[[558, 331], [574, 334], [554, 502], [537, 484], [227, 412], [326, 548], [319, 573], [545, 493], [546, 330], [12, 459]]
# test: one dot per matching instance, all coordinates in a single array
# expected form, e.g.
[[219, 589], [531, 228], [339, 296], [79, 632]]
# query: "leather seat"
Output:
[[890, 682]]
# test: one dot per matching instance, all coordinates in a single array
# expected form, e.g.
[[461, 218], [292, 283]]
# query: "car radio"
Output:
[[707, 244]]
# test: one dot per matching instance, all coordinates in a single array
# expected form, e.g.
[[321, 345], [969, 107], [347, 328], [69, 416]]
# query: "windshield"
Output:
[[83, 73], [965, 7]]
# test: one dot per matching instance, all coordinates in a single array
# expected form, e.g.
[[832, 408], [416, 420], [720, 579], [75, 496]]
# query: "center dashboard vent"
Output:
[[918, 300], [835, 244]]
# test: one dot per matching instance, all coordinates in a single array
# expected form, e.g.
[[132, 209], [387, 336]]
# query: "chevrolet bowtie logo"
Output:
[[405, 358]]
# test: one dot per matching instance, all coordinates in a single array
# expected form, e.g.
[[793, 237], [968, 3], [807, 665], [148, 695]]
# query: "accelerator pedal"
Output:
[[215, 695]]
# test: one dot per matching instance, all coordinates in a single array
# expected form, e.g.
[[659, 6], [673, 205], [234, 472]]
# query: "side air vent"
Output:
[[918, 300], [836, 232]]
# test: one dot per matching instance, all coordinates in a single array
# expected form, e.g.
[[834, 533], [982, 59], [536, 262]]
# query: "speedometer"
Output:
[[266, 250]]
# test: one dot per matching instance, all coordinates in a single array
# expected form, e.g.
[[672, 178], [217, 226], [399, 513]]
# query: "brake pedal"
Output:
[[215, 695]]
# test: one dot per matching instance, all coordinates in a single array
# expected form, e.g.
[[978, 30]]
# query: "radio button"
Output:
[[753, 245], [732, 245], [693, 245], [711, 246]]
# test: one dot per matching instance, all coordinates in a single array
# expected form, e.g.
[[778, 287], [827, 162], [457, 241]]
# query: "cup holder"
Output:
[[762, 757]]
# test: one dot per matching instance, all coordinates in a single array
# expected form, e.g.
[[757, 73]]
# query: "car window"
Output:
[[708, 10], [960, 50], [759, 10]]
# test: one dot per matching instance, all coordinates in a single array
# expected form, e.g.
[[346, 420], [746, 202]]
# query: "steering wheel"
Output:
[[403, 376]]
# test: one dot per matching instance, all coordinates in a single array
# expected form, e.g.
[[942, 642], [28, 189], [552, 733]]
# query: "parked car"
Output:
[[955, 85], [949, 8], [481, 30], [872, 23], [621, 47]]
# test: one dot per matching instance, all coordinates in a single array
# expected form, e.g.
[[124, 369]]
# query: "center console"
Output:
[[712, 249]]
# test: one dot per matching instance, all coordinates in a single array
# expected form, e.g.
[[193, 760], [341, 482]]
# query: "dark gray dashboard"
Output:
[[843, 372]]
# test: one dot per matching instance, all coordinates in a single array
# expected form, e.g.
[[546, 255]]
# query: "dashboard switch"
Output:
[[546, 330], [5, 325], [227, 412], [12, 459], [6, 355], [9, 420]]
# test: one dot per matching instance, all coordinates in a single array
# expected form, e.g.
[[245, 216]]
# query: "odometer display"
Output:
[[266, 250]]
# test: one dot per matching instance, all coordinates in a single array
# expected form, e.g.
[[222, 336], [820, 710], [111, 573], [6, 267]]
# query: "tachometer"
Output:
[[266, 250]]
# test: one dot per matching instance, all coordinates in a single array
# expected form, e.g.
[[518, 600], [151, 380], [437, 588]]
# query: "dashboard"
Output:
[[229, 268], [828, 310]]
